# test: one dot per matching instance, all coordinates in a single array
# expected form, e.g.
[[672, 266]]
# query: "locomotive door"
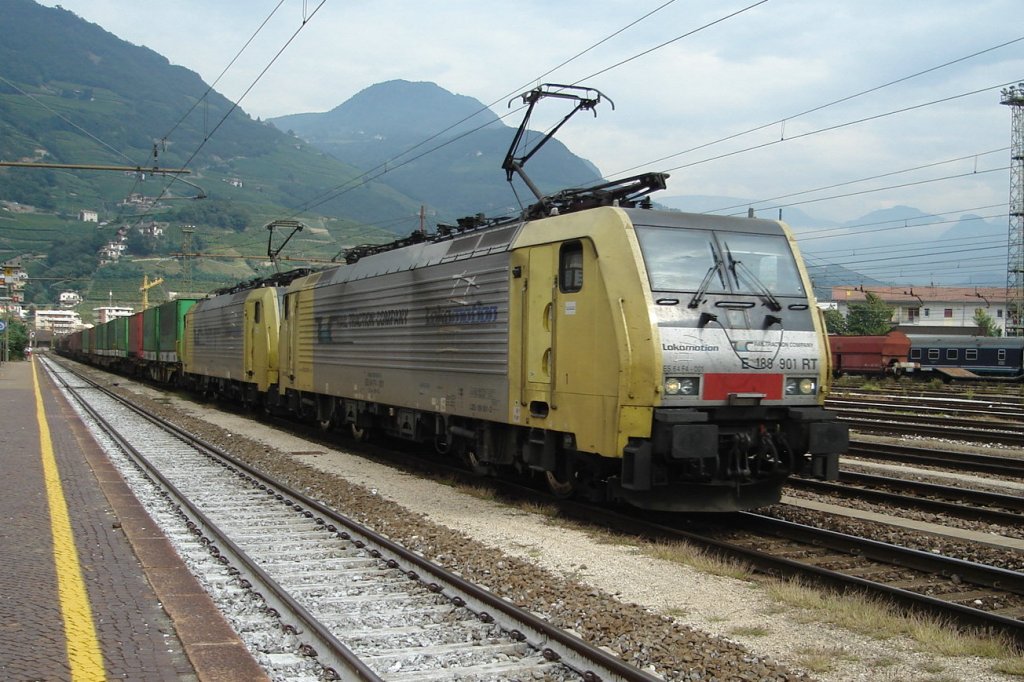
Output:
[[255, 351], [249, 322], [289, 342], [538, 371]]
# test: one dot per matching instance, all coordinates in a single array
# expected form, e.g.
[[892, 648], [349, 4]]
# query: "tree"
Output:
[[17, 335], [986, 325], [835, 323], [141, 244], [871, 318]]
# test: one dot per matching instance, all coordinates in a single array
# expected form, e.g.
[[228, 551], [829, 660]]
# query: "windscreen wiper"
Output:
[[698, 297], [770, 300]]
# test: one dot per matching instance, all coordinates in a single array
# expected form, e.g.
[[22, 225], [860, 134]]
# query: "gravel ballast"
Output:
[[661, 615]]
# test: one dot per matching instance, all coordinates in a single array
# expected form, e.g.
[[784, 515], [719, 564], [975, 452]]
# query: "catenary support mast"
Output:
[[1013, 97]]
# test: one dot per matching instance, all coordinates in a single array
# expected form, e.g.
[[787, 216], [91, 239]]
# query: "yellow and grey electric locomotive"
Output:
[[675, 361]]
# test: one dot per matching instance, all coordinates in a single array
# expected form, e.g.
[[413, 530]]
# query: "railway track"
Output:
[[962, 461], [942, 407], [964, 503], [938, 426], [813, 558], [971, 595], [350, 604], [1011, 394]]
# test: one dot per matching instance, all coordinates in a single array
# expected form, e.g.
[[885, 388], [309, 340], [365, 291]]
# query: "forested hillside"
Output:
[[72, 93]]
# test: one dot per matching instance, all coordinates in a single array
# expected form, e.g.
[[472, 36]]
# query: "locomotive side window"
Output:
[[952, 353], [257, 312], [1001, 355], [971, 354], [933, 353], [915, 353], [570, 267]]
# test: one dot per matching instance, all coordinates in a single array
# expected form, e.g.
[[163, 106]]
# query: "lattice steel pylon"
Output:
[[1013, 97], [186, 257]]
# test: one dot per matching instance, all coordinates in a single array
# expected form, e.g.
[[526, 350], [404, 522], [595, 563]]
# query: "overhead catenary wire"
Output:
[[839, 126], [67, 120], [389, 164], [903, 185], [820, 107], [212, 85], [336, 193], [844, 98], [936, 269], [235, 104], [775, 142], [891, 225], [853, 182]]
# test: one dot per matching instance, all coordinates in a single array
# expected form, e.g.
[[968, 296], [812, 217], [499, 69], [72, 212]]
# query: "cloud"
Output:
[[769, 63]]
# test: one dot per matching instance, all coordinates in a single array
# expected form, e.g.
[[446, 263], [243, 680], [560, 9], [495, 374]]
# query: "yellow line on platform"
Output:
[[84, 654]]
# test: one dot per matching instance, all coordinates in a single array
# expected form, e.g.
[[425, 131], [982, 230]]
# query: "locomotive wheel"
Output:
[[559, 487]]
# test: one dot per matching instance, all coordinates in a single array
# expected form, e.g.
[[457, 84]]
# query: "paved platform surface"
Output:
[[90, 590]]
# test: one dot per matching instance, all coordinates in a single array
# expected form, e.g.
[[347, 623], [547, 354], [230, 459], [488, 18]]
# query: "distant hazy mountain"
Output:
[[388, 123]]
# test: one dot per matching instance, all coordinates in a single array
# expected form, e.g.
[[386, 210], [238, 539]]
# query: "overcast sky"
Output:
[[767, 63]]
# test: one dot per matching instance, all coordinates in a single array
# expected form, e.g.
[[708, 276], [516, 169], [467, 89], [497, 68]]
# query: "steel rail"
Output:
[[970, 572], [1013, 396], [773, 564], [339, 662], [943, 409], [592, 663], [667, 527], [965, 461], [960, 429], [849, 486]]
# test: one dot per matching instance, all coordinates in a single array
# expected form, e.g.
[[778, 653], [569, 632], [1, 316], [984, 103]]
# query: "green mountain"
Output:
[[72, 93], [386, 124]]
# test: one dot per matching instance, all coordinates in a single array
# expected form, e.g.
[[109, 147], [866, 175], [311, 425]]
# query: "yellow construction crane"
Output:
[[146, 286]]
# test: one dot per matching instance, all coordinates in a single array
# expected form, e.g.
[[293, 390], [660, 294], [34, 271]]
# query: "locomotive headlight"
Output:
[[682, 386], [805, 386]]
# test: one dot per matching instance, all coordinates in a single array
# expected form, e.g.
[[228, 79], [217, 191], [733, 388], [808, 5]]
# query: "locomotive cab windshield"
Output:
[[692, 261]]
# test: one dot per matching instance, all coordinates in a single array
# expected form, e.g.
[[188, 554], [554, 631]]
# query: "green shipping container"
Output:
[[172, 327], [119, 337], [102, 339], [151, 334]]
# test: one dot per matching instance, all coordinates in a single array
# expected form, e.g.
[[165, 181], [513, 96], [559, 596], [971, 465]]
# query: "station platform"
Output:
[[90, 589]]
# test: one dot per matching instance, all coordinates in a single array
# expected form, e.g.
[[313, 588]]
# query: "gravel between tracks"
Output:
[[691, 625]]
